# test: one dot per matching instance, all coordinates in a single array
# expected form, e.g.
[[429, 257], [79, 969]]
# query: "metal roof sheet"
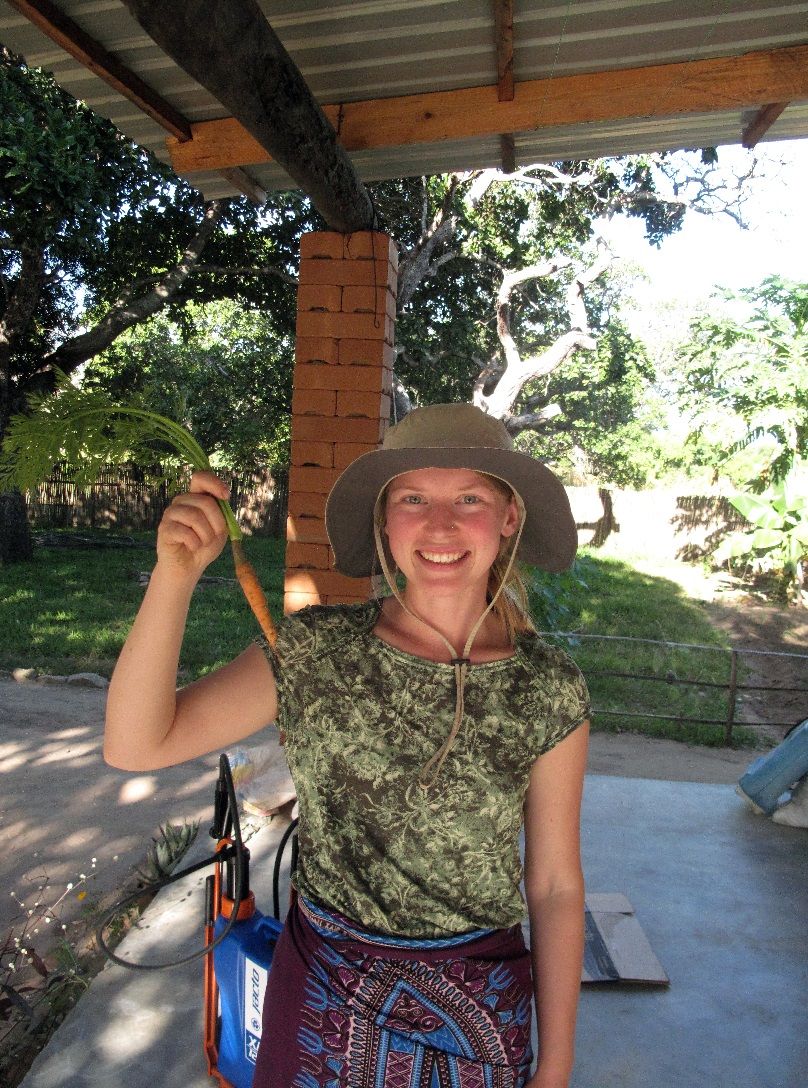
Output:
[[370, 49]]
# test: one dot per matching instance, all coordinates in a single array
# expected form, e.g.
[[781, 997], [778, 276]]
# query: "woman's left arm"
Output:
[[554, 887]]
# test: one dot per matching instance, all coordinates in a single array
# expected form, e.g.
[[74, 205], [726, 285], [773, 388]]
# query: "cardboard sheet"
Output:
[[617, 950]]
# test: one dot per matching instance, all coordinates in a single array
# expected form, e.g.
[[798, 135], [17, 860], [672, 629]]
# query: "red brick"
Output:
[[352, 352], [345, 453], [319, 296], [303, 478], [367, 379], [313, 402], [313, 453], [355, 326], [365, 244], [349, 274], [365, 405], [368, 300], [316, 349], [315, 376], [311, 556], [323, 582], [307, 504], [292, 602], [322, 244], [338, 429], [306, 530]]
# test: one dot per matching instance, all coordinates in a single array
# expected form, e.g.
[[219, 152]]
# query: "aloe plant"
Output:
[[86, 431]]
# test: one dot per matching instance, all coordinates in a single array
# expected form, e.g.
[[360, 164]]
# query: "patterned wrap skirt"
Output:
[[350, 1008]]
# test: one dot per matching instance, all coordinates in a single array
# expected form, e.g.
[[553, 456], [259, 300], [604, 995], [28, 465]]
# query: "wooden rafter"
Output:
[[87, 51], [761, 123], [503, 23], [725, 83], [507, 153], [242, 181]]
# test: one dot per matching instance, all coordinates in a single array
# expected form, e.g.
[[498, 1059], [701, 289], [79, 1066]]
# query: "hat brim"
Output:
[[549, 538]]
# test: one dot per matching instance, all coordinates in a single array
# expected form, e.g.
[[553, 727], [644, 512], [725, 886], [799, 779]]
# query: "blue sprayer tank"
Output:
[[241, 963], [768, 777]]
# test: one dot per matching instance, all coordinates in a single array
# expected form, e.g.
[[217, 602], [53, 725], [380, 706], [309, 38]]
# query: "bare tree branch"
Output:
[[518, 371], [123, 315], [533, 421]]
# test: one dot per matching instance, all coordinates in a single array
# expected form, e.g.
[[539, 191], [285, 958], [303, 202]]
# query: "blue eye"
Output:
[[471, 499]]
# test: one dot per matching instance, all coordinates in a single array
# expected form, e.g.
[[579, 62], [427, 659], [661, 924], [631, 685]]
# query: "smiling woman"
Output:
[[422, 730]]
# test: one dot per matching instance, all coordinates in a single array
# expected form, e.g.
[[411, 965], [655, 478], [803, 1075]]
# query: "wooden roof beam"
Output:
[[229, 48], [69, 36], [719, 84], [761, 123]]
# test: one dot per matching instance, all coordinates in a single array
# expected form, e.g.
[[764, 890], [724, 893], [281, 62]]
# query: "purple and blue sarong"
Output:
[[349, 1008]]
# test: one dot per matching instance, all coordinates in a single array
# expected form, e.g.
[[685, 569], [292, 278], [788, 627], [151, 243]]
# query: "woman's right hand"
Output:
[[193, 531]]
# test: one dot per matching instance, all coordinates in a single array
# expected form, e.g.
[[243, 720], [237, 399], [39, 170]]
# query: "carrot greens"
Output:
[[86, 432]]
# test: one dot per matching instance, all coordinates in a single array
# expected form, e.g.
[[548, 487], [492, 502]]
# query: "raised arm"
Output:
[[554, 887], [150, 724]]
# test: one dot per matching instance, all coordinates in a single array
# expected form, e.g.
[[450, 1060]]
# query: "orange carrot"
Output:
[[251, 587]]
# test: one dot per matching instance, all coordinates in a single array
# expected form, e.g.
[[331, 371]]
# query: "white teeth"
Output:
[[441, 557]]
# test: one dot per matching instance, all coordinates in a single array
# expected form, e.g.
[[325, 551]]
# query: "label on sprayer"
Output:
[[255, 984]]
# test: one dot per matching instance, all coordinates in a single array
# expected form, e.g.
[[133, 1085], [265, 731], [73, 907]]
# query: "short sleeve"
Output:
[[296, 643], [303, 638], [561, 697]]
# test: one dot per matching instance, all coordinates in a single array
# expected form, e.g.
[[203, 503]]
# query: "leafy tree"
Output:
[[746, 386], [606, 426], [86, 215], [225, 373]]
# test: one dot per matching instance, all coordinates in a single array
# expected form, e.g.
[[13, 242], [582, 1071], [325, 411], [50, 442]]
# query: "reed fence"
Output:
[[127, 499]]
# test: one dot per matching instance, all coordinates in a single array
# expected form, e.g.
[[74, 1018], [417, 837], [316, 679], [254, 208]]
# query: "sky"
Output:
[[712, 251]]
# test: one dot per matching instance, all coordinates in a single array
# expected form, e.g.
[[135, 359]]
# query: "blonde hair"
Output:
[[511, 606]]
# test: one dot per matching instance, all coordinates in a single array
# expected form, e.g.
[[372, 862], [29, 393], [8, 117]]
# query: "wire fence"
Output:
[[746, 698]]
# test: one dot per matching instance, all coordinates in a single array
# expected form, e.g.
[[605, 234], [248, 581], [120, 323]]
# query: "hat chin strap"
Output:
[[461, 662]]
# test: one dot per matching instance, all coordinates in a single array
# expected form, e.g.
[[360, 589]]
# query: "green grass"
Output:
[[608, 595], [69, 610]]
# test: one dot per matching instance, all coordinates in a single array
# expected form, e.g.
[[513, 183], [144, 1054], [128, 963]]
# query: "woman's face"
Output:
[[444, 526]]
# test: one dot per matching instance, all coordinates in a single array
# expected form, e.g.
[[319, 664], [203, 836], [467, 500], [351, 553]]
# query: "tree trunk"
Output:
[[229, 47], [15, 533]]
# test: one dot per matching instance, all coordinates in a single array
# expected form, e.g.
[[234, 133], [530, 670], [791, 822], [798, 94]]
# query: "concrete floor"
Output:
[[720, 893]]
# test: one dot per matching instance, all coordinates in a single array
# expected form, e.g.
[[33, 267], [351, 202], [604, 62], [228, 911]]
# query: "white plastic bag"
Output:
[[261, 777]]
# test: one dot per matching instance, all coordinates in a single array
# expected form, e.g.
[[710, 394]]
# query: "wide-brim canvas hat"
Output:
[[449, 436]]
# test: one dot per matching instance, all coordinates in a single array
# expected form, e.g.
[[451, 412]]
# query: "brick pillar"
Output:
[[346, 308]]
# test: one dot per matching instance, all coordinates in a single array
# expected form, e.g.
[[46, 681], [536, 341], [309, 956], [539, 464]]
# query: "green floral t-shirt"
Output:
[[361, 720]]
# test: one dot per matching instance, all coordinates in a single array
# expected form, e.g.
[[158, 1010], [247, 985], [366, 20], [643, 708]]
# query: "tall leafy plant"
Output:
[[777, 541]]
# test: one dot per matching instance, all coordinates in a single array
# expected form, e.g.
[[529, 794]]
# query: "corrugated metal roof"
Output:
[[385, 48]]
